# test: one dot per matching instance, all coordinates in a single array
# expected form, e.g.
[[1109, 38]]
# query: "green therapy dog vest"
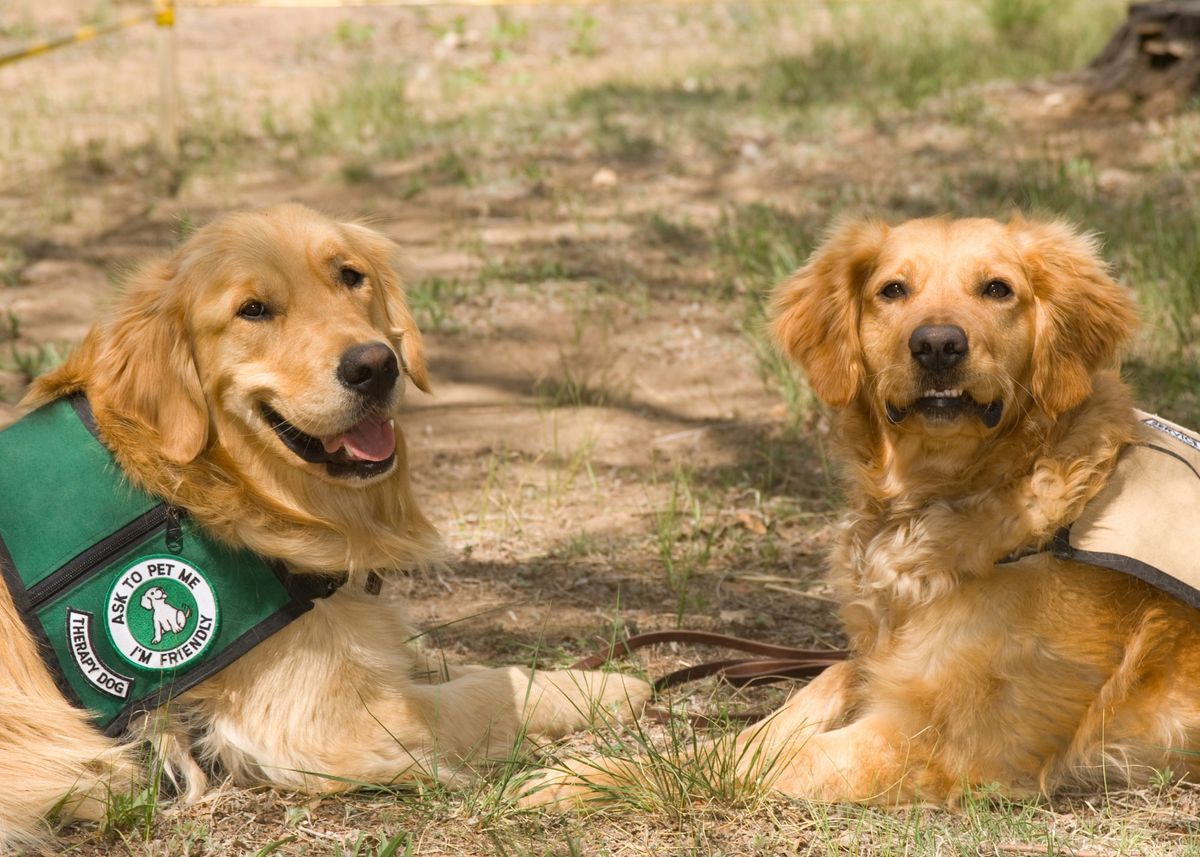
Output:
[[130, 602]]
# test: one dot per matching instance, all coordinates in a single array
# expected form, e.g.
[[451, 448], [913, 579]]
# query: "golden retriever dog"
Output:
[[969, 364], [252, 379]]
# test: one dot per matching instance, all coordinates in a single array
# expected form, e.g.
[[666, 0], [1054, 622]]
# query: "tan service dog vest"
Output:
[[1143, 522]]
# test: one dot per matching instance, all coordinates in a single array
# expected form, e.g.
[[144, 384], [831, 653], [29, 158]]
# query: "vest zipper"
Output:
[[108, 547], [174, 530]]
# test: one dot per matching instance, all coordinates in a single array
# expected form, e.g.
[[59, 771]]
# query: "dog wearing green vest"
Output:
[[214, 502]]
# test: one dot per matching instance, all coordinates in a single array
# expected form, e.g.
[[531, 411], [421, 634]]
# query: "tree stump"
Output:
[[1152, 61]]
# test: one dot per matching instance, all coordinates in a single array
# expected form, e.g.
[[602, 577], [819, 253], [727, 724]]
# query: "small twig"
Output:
[[697, 432], [320, 834], [682, 435], [775, 587], [764, 578]]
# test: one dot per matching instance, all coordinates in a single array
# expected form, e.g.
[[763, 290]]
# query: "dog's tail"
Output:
[[60, 768]]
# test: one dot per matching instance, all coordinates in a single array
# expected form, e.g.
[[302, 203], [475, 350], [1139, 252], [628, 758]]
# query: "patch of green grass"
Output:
[[578, 546], [357, 171], [17, 24], [586, 373], [99, 14], [508, 35], [1167, 383], [30, 361], [756, 247], [10, 327], [12, 260], [581, 378], [658, 100], [1159, 249], [369, 114], [682, 237], [93, 159], [573, 388], [881, 55], [218, 135], [533, 269], [872, 58], [457, 82], [1022, 19], [432, 301], [619, 139], [453, 167], [132, 813], [584, 34], [628, 119], [353, 34], [684, 536]]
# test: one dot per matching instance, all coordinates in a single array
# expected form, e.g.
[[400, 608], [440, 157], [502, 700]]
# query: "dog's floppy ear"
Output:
[[404, 333], [814, 313], [1082, 315], [139, 366]]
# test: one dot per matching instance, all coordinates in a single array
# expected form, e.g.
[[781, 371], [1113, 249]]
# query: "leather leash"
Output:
[[774, 663]]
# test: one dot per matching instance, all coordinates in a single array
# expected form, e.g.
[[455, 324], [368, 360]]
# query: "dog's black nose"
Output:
[[370, 370], [938, 346]]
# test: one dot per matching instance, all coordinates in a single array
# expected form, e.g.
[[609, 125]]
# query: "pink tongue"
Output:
[[370, 440]]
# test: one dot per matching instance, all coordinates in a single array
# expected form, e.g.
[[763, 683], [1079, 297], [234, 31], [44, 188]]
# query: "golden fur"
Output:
[[177, 377], [1031, 674]]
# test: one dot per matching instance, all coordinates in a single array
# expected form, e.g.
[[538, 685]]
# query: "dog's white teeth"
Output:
[[942, 394]]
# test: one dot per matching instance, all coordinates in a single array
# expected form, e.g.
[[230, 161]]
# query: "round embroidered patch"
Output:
[[161, 613]]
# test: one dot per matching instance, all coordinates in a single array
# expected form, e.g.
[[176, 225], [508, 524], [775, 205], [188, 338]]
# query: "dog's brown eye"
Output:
[[894, 289], [996, 289], [254, 310], [350, 277]]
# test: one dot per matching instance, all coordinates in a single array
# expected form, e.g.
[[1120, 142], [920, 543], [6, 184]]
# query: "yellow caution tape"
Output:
[[83, 34], [164, 15], [317, 4]]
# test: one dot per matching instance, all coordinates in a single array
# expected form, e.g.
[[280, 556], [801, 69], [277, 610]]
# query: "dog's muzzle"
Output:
[[938, 349]]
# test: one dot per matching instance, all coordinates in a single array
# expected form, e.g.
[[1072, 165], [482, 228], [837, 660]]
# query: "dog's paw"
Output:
[[622, 695], [565, 701], [572, 787]]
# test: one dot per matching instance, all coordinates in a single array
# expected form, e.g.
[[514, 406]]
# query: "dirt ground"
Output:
[[604, 450]]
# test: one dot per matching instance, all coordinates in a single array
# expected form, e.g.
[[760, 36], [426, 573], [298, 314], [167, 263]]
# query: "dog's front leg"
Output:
[[500, 707], [341, 697], [487, 715], [353, 727], [820, 705], [867, 761]]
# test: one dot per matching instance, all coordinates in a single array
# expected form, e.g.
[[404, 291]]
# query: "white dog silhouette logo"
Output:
[[161, 613], [167, 618]]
